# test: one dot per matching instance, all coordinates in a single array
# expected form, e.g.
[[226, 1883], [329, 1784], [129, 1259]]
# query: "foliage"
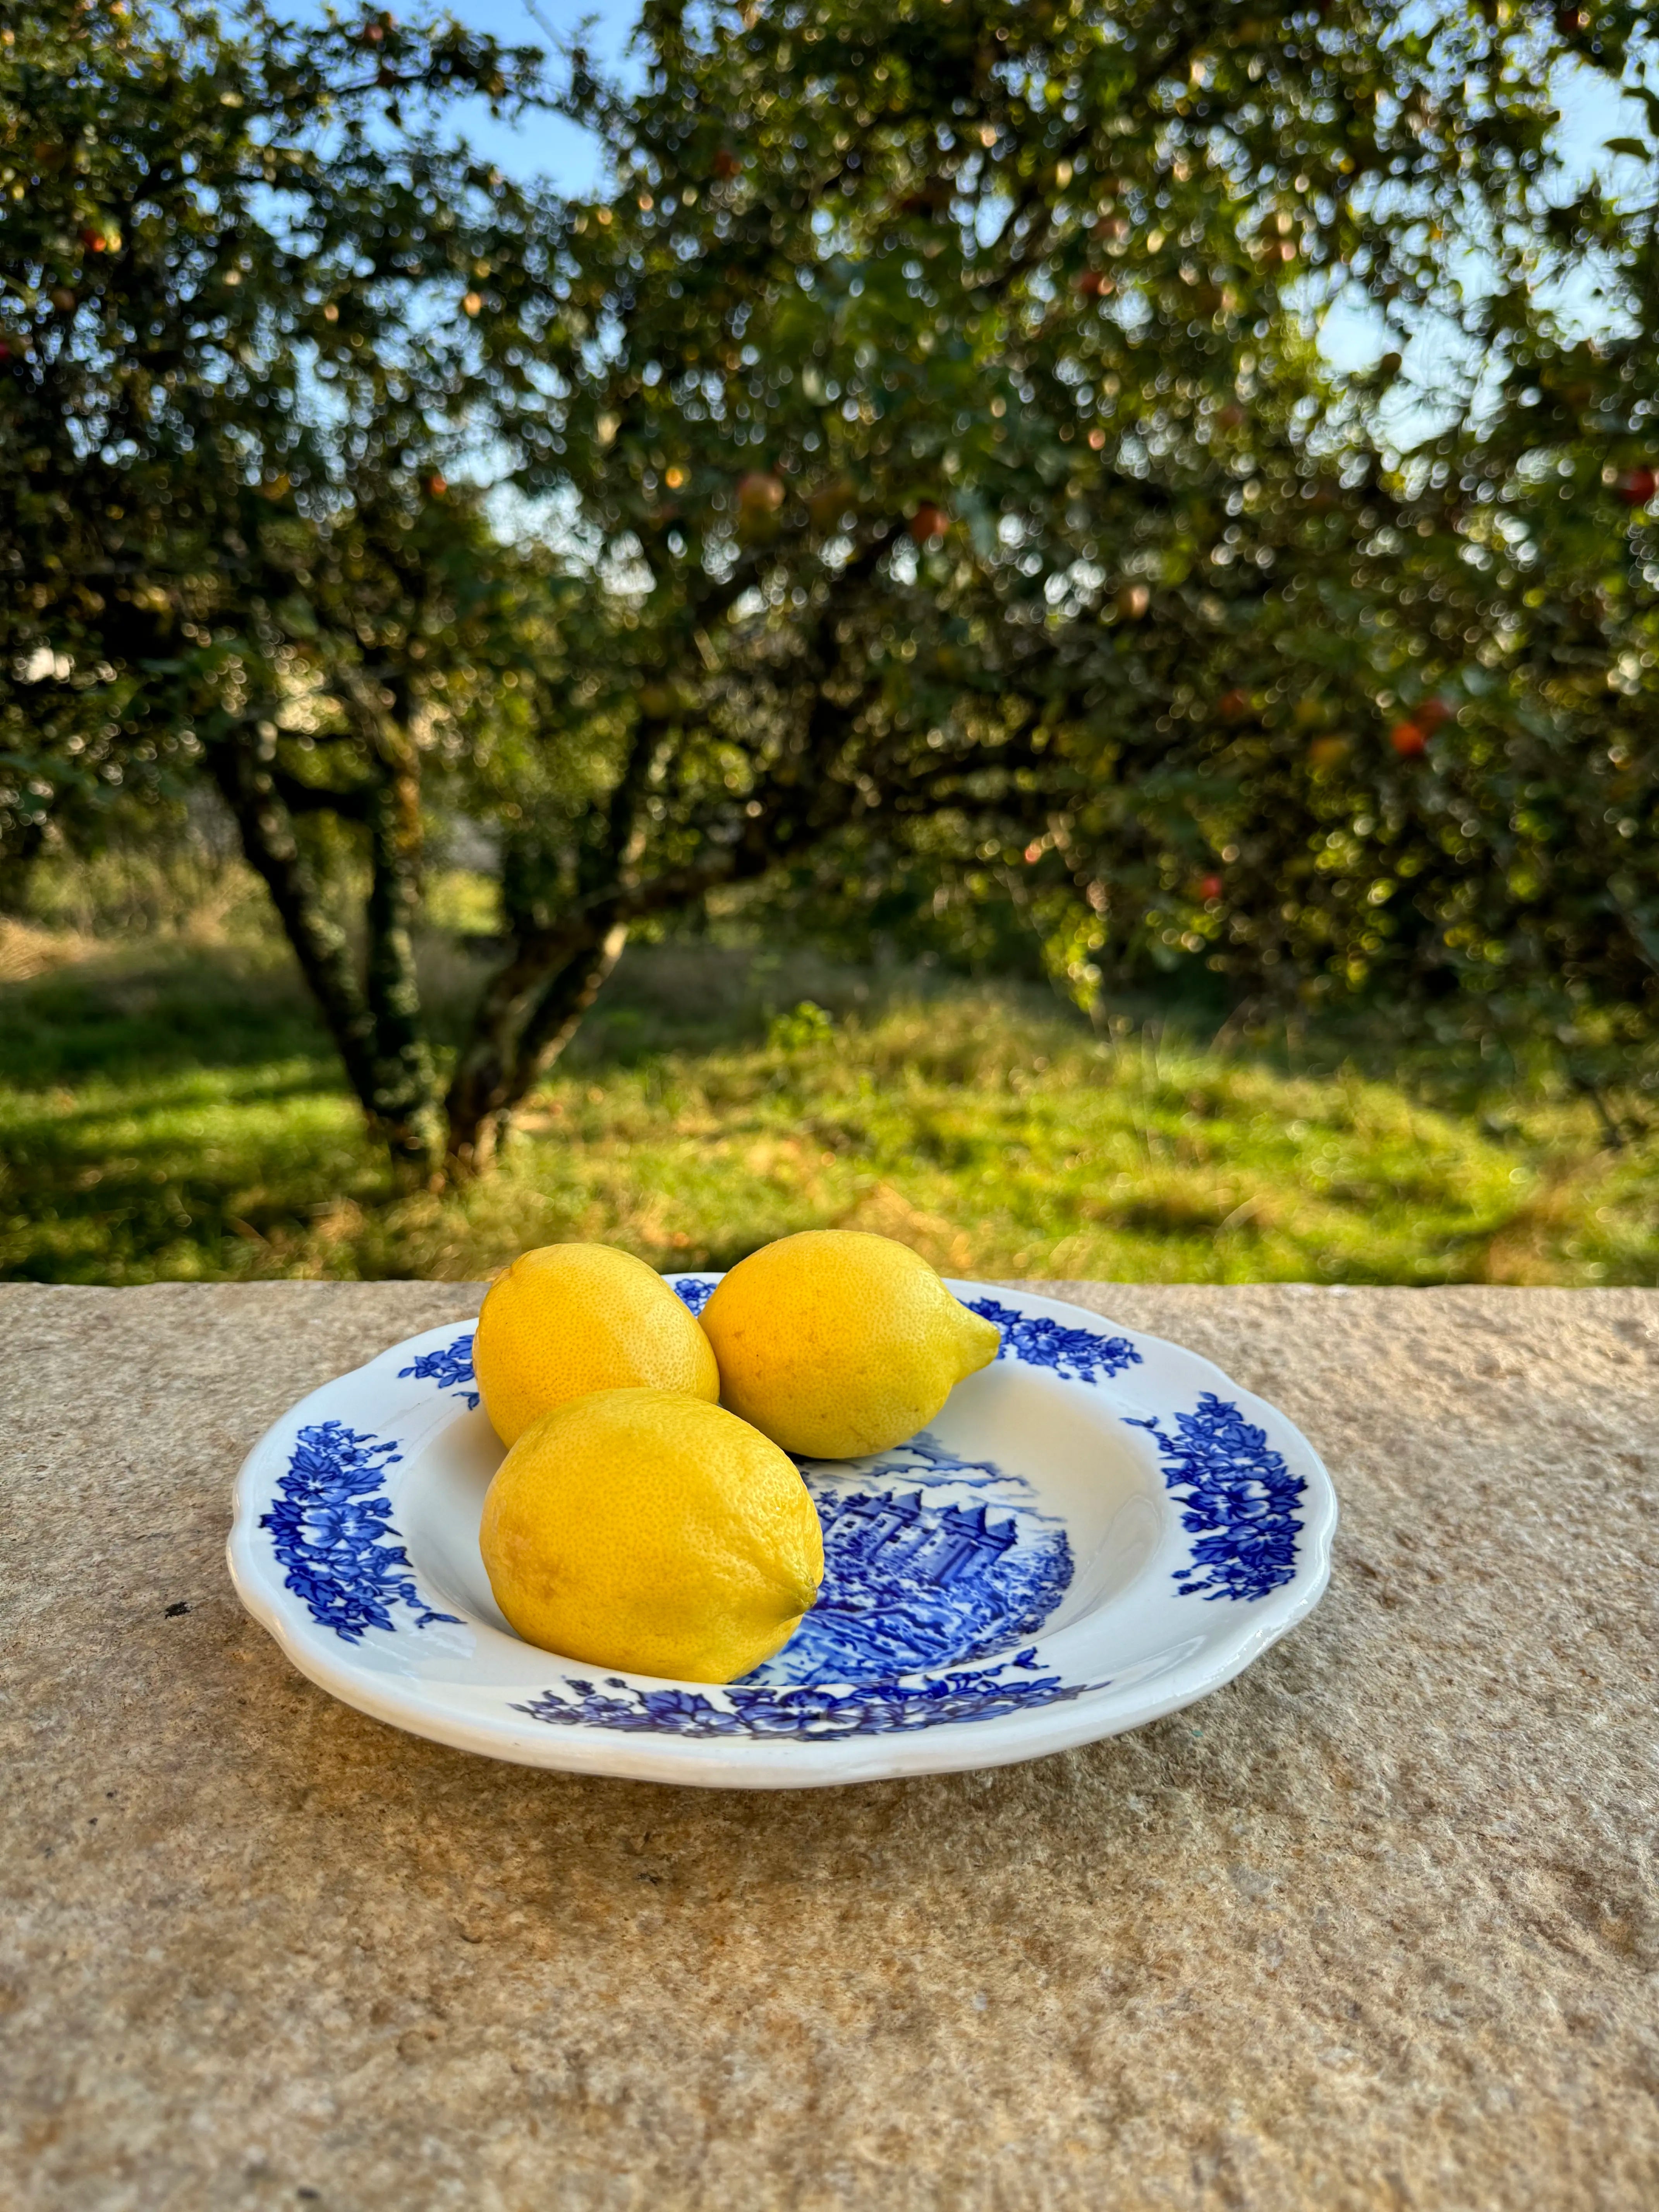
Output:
[[239, 359], [949, 505], [177, 1114], [1334, 718]]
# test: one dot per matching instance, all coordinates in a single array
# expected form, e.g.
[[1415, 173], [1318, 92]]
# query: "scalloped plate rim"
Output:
[[775, 1761]]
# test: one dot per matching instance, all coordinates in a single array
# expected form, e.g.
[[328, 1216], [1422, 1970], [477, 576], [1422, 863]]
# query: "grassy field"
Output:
[[169, 1109]]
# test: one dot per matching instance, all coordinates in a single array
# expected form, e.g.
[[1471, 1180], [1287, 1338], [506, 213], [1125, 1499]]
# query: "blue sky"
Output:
[[1591, 113], [568, 157], [570, 160]]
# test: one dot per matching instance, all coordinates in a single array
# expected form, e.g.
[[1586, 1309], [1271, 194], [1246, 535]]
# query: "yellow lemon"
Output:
[[572, 1318], [835, 1343], [653, 1532]]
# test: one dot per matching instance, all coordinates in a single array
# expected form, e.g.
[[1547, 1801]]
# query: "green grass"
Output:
[[172, 1111]]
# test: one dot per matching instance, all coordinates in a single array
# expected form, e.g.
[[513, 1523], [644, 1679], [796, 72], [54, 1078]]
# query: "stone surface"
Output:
[[1374, 1927]]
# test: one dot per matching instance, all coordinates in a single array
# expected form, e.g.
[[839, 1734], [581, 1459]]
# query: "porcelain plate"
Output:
[[1099, 1528]]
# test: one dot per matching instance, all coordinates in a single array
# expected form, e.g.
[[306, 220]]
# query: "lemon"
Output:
[[835, 1343], [572, 1318], [653, 1532]]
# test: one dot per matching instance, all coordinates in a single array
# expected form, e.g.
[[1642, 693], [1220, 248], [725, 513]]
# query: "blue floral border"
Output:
[[331, 1530], [1079, 1355], [450, 1367], [1239, 1497]]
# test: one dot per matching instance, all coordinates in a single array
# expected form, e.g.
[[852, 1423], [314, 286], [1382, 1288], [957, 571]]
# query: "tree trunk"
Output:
[[378, 1066], [532, 1007], [406, 1101], [521, 1030], [17, 865]]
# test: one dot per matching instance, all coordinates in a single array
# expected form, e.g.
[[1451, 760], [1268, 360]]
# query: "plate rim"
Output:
[[780, 1762]]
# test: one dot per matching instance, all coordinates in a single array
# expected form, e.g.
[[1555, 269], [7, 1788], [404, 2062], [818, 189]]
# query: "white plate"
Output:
[[1099, 1529]]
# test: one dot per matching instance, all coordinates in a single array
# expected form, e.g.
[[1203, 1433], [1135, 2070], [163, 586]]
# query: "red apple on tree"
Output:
[[759, 493], [928, 522], [1637, 486], [1409, 740]]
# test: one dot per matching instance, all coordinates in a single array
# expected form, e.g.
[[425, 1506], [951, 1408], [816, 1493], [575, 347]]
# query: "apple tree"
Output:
[[935, 476]]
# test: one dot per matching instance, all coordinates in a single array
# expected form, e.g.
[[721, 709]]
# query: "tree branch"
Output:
[[319, 944], [303, 797]]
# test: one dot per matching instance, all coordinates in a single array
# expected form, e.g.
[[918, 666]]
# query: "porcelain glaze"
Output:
[[1099, 1529]]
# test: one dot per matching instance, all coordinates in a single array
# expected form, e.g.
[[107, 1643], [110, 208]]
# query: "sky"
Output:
[[570, 160], [568, 157]]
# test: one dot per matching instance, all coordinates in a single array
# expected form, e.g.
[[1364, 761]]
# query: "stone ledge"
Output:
[[1373, 1927]]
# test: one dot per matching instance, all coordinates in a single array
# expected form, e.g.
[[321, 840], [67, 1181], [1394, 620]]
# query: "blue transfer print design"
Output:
[[914, 1580], [1238, 1502], [449, 1367], [694, 1292], [330, 1527], [819, 1716], [1078, 1355], [939, 1572]]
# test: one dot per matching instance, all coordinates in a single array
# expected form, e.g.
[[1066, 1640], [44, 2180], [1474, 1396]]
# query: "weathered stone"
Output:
[[1375, 1926]]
